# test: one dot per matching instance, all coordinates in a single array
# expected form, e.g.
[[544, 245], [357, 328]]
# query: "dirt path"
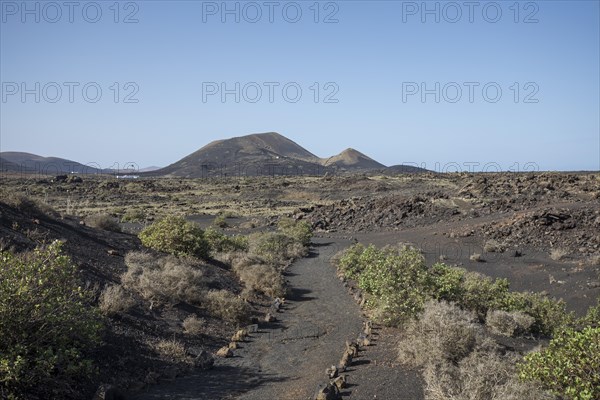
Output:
[[286, 360]]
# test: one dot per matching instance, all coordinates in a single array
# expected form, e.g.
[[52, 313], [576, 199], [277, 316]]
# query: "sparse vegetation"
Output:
[[47, 326], [403, 273], [221, 243], [558, 254], [508, 323], [570, 366], [493, 246], [226, 305], [263, 278], [193, 325], [114, 299], [165, 279], [134, 215], [171, 349], [448, 341], [177, 236], [476, 257], [28, 205], [299, 231], [487, 371], [103, 221], [458, 360], [220, 221]]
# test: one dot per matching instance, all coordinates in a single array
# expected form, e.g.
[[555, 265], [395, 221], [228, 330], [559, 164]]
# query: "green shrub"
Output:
[[481, 293], [550, 315], [592, 317], [271, 246], [394, 279], [47, 325], [177, 236], [446, 283], [398, 283], [570, 366], [299, 231], [221, 243], [349, 261]]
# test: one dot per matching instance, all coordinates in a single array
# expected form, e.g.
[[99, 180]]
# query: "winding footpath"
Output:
[[286, 360]]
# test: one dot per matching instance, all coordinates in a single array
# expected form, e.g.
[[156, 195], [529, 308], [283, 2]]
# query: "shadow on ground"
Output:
[[221, 382]]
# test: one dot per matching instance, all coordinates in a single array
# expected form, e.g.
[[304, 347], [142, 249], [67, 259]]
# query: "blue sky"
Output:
[[361, 66]]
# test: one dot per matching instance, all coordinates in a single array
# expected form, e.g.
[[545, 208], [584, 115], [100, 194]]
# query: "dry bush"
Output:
[[442, 381], [487, 374], [263, 278], [508, 323], [103, 221], [296, 250], [558, 254], [443, 332], [240, 261], [172, 349], [115, 299], [476, 257], [169, 278], [225, 305], [458, 361], [257, 275], [493, 246], [193, 325]]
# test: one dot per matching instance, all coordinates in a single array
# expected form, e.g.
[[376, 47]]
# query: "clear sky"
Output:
[[436, 84]]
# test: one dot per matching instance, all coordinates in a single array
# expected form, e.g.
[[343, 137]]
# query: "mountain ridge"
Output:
[[23, 162], [268, 153]]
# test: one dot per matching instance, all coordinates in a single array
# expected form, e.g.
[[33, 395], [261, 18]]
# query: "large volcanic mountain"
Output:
[[263, 154]]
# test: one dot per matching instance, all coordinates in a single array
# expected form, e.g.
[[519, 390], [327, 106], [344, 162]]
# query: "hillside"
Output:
[[263, 154], [12, 161], [260, 154], [404, 169], [352, 159]]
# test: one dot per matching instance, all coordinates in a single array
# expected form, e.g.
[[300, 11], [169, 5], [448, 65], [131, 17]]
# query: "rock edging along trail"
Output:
[[286, 359]]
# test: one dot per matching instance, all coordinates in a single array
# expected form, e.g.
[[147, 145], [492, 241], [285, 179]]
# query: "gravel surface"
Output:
[[286, 360]]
